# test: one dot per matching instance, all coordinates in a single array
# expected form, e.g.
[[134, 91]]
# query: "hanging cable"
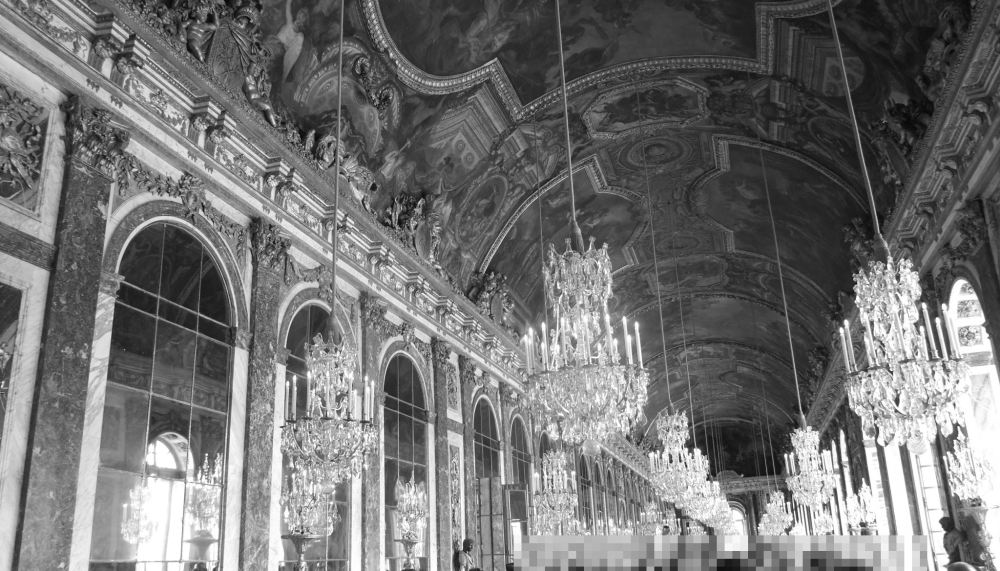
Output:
[[335, 239], [569, 145], [687, 365], [656, 265], [781, 277], [854, 125]]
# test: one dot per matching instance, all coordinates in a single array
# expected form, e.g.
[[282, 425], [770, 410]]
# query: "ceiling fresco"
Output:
[[453, 134]]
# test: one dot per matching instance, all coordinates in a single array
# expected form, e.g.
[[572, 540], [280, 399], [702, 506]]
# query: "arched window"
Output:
[[977, 350], [600, 514], [520, 453], [405, 449], [613, 495], [544, 445], [161, 479], [739, 519], [586, 508], [486, 443], [983, 399], [332, 550]]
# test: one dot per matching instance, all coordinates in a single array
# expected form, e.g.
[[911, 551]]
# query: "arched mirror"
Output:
[[162, 477]]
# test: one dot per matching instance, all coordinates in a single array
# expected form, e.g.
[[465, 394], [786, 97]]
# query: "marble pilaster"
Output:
[[442, 492], [269, 250], [94, 152], [371, 490], [466, 373], [90, 449]]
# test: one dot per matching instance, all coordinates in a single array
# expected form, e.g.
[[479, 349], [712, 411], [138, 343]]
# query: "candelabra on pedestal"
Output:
[[411, 507]]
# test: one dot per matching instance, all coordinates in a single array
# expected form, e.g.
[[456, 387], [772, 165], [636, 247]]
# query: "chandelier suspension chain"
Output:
[[854, 124], [656, 264], [569, 145]]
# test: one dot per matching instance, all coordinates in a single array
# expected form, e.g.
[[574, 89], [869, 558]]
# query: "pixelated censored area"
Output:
[[707, 553]]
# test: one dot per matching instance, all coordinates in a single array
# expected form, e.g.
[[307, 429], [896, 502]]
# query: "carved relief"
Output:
[[40, 14], [22, 132], [455, 478], [280, 187], [92, 140], [269, 246]]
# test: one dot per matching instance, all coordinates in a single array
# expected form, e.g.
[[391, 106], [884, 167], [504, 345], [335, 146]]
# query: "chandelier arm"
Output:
[[854, 126], [656, 264], [577, 234]]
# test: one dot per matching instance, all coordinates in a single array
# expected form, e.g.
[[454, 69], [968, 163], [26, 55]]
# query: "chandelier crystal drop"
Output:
[[777, 518], [913, 375], [971, 473], [811, 481], [577, 384], [555, 495]]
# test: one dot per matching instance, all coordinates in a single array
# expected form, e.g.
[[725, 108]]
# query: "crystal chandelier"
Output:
[[411, 507], [205, 496], [578, 386], [650, 520], [777, 516], [335, 434], [860, 509], [307, 503], [675, 470], [555, 494], [971, 473], [908, 382], [823, 522], [137, 524], [810, 480]]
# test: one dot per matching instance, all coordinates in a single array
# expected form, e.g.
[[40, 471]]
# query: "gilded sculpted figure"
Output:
[[200, 27]]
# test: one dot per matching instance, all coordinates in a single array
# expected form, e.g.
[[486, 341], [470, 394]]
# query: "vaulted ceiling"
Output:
[[680, 112]]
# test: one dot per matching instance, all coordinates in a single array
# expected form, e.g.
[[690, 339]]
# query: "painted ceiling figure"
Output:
[[291, 37]]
